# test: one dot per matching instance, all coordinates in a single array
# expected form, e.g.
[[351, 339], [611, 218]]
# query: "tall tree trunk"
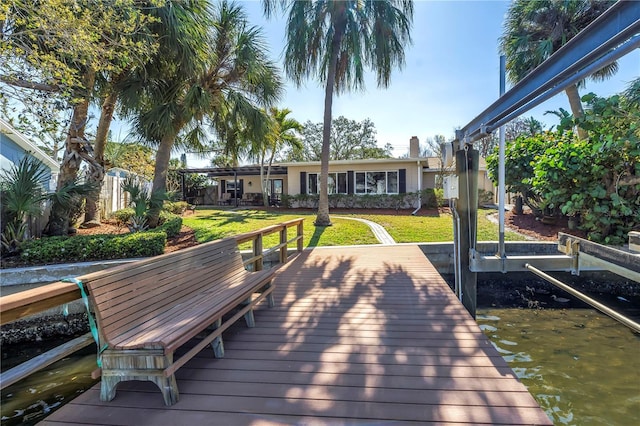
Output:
[[322, 218], [160, 175], [576, 106], [75, 151], [263, 183], [97, 170]]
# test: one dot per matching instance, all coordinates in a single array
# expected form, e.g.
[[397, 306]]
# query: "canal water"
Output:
[[582, 367]]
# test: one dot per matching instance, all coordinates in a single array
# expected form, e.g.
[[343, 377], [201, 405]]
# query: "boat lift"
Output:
[[612, 35]]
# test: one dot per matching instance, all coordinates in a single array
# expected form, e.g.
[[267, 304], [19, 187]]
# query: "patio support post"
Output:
[[183, 186], [467, 164]]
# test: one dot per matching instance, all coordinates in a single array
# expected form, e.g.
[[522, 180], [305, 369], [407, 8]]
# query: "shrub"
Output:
[[484, 197], [94, 247], [123, 216], [170, 223], [176, 207]]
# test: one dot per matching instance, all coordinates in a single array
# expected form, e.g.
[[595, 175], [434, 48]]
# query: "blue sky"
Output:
[[451, 75]]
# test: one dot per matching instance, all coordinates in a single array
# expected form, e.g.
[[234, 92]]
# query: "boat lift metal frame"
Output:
[[612, 35]]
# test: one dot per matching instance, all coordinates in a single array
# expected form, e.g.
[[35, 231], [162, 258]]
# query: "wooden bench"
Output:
[[146, 310]]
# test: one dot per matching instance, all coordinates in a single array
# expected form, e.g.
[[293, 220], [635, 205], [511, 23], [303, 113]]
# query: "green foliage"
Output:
[[93, 247], [22, 195], [142, 203], [484, 197], [432, 198], [170, 223], [350, 140], [520, 155], [133, 157], [123, 216], [176, 207], [597, 179]]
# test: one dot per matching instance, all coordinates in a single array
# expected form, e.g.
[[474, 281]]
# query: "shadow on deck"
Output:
[[364, 335]]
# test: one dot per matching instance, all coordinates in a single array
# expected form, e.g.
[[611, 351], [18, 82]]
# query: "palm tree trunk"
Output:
[[160, 174], [97, 170], [72, 159], [322, 218], [576, 106]]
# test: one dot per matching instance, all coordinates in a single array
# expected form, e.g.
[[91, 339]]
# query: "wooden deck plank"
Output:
[[352, 340]]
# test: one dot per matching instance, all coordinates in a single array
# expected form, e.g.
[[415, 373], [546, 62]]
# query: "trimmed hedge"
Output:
[[171, 224], [94, 247]]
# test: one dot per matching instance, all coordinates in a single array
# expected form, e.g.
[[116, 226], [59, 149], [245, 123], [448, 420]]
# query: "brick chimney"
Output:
[[414, 147]]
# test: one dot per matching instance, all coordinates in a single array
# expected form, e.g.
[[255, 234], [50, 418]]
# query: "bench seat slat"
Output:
[[174, 334], [128, 307], [185, 320]]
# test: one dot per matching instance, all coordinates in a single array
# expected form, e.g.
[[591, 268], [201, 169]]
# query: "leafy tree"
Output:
[[226, 83], [282, 133], [520, 156], [334, 41], [607, 195], [350, 140], [512, 130], [534, 30], [58, 47], [133, 157]]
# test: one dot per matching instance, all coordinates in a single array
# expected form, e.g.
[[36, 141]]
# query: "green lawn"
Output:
[[212, 224], [436, 228]]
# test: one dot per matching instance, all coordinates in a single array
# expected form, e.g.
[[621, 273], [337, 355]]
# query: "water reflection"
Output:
[[32, 399], [582, 367]]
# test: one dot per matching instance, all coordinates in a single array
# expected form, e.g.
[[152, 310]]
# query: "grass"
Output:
[[212, 224], [435, 228]]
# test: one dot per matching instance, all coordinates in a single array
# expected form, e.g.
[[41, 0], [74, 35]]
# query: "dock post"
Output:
[[467, 164]]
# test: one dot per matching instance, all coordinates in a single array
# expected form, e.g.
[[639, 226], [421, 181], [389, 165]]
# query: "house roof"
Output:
[[240, 170], [22, 141], [364, 161]]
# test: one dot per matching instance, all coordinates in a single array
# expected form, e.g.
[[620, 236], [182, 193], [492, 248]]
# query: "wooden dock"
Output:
[[359, 335]]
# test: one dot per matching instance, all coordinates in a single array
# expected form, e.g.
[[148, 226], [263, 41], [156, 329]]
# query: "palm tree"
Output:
[[534, 30], [334, 41], [227, 81], [281, 134], [171, 24]]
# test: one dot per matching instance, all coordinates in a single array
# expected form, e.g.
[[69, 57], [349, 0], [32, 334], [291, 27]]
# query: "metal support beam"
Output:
[[594, 255], [617, 27], [481, 263], [599, 306]]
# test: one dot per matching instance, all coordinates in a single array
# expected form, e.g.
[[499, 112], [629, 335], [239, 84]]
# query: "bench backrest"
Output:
[[135, 293]]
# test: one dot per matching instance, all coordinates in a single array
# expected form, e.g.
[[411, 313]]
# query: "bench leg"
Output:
[[169, 388], [270, 299], [248, 317], [122, 366], [217, 345]]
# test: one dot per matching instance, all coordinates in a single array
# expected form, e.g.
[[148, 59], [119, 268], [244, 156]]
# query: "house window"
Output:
[[377, 182], [337, 183]]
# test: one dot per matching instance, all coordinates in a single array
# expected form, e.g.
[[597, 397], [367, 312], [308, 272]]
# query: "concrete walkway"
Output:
[[380, 233]]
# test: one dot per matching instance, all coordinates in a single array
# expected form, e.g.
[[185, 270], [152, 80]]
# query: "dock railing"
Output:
[[29, 302]]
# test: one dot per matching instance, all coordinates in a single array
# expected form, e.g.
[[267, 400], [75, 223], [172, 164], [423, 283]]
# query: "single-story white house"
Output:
[[14, 146], [384, 176]]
